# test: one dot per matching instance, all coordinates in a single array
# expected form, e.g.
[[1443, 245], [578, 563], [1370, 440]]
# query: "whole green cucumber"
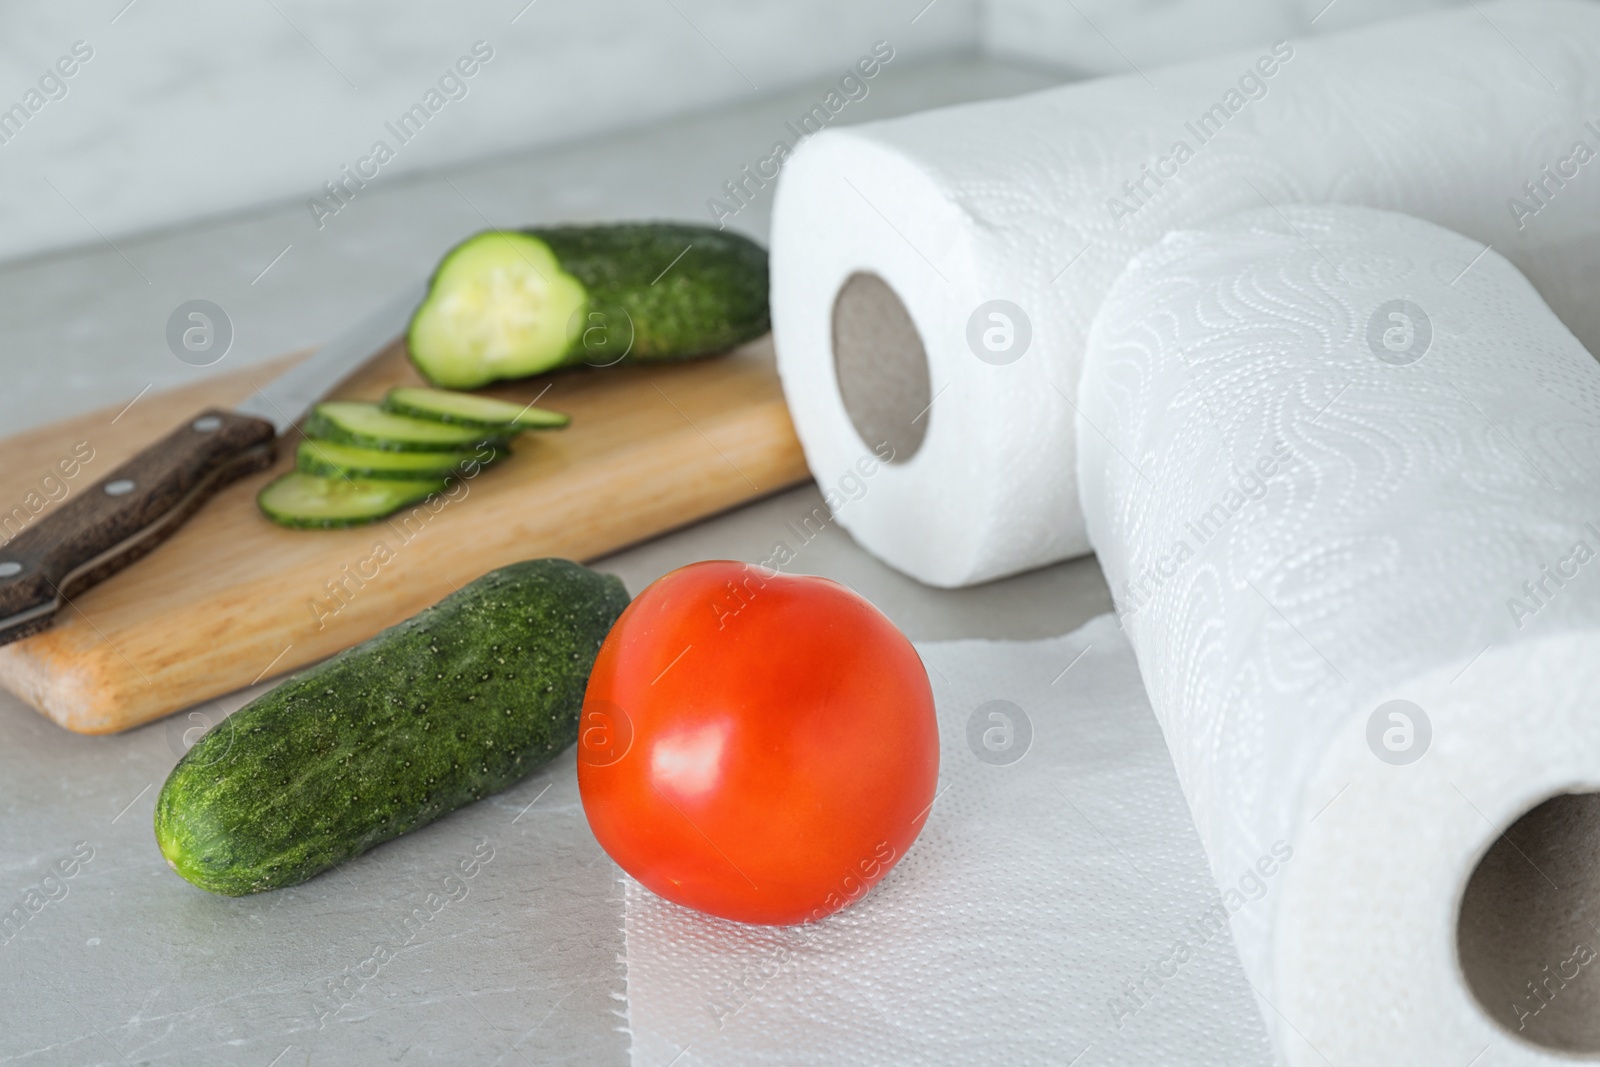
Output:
[[460, 701], [507, 304]]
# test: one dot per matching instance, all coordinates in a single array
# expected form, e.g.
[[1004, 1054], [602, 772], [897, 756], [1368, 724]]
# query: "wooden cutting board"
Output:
[[233, 598]]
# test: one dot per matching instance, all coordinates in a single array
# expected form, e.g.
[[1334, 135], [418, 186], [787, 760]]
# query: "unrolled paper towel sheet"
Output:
[[1001, 225], [1055, 906], [1347, 496]]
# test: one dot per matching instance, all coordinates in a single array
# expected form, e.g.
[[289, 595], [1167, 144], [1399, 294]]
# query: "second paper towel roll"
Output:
[[1346, 497], [934, 276]]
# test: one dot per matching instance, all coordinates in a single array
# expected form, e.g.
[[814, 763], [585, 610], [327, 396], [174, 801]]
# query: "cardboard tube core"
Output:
[[881, 367], [1525, 936]]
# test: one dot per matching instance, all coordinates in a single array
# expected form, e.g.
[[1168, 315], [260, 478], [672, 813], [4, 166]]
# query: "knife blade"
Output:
[[139, 504]]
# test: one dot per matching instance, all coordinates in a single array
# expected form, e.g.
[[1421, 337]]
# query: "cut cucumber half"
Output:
[[310, 501], [499, 306], [331, 459], [464, 409], [369, 426], [507, 305]]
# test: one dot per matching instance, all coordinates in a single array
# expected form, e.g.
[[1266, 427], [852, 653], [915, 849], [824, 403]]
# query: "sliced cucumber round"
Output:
[[311, 501], [332, 459], [464, 409], [369, 426], [500, 306]]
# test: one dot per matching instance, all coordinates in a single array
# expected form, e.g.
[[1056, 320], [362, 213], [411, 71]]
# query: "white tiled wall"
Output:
[[185, 108]]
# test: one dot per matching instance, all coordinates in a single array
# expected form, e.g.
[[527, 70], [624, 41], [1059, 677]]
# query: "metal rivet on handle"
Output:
[[206, 423], [10, 567], [120, 487]]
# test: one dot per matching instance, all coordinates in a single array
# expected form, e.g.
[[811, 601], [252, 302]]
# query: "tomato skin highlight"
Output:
[[755, 745]]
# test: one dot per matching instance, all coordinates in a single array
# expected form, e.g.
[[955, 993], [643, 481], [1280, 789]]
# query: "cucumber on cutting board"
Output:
[[312, 502], [507, 304], [464, 409], [333, 460], [360, 462], [458, 702], [350, 422]]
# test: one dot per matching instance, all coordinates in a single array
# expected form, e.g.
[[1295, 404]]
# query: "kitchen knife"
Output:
[[134, 508]]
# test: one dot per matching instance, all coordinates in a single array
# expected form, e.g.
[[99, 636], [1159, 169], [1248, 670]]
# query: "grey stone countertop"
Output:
[[495, 934]]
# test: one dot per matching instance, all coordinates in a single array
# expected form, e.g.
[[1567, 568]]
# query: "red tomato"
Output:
[[756, 745]]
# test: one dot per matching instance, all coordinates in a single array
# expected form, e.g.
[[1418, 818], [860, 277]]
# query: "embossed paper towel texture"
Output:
[[1042, 200], [1326, 466], [1055, 906]]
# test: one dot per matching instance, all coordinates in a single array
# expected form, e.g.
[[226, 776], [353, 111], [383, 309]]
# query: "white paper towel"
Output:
[[1445, 116], [1038, 918], [1325, 469]]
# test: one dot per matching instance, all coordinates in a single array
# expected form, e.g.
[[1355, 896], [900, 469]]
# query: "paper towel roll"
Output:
[[934, 276], [1326, 470]]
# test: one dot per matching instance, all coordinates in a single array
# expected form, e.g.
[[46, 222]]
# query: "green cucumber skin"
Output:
[[470, 464], [458, 702], [542, 418], [641, 305], [322, 428], [712, 299], [297, 520]]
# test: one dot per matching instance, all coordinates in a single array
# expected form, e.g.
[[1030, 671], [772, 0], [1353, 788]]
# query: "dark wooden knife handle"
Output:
[[124, 515]]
